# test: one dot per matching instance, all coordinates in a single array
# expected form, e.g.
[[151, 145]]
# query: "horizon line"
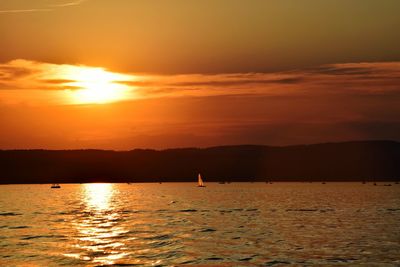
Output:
[[207, 147]]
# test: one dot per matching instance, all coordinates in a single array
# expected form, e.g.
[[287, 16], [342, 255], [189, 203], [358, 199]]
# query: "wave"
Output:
[[19, 227], [41, 236], [188, 210], [9, 214]]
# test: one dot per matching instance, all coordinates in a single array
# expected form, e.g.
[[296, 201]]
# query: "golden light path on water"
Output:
[[98, 229], [98, 196]]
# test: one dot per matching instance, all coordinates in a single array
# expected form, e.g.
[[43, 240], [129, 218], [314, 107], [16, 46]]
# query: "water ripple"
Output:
[[9, 214], [177, 224]]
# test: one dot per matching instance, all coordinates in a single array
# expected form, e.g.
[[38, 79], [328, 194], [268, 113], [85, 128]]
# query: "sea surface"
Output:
[[173, 224]]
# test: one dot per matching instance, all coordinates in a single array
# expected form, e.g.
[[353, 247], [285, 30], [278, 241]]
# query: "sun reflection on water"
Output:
[[98, 226], [98, 196]]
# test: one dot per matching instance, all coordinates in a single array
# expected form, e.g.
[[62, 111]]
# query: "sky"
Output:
[[124, 74]]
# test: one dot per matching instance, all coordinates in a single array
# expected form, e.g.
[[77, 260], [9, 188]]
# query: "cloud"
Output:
[[25, 10], [342, 80], [44, 8], [70, 3], [358, 69], [10, 72], [31, 75], [41, 83], [24, 74], [353, 78]]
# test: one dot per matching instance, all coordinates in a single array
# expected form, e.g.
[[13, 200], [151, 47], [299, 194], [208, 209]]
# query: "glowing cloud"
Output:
[[75, 84], [79, 84]]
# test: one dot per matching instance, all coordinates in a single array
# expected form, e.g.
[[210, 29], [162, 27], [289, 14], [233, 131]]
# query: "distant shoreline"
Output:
[[380, 183], [356, 161]]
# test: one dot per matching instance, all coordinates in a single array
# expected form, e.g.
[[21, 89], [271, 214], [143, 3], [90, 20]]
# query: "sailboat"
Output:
[[55, 186], [200, 181]]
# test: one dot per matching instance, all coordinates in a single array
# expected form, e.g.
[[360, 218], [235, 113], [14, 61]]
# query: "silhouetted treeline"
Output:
[[349, 161]]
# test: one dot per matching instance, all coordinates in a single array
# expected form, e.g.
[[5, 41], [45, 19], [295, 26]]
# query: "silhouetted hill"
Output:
[[349, 161]]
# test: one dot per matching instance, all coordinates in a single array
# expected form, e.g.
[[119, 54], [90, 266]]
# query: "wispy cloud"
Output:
[[71, 3], [73, 83], [25, 10], [43, 8], [371, 79], [351, 78], [30, 75]]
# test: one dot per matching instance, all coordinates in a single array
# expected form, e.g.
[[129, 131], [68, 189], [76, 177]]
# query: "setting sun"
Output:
[[199, 133], [97, 86]]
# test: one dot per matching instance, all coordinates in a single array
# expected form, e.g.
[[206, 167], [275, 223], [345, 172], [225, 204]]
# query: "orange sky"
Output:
[[158, 74]]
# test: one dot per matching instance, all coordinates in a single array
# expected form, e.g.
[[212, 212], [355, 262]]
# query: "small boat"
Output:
[[55, 186], [200, 181], [387, 185], [222, 182]]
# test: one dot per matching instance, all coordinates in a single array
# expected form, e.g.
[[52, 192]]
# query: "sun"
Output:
[[97, 86]]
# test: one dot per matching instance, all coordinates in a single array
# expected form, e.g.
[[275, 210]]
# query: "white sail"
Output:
[[200, 181]]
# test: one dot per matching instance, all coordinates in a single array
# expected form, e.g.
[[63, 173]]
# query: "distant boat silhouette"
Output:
[[387, 185], [55, 186], [222, 182], [200, 181]]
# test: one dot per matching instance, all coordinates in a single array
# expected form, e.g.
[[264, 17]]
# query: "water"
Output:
[[169, 224]]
